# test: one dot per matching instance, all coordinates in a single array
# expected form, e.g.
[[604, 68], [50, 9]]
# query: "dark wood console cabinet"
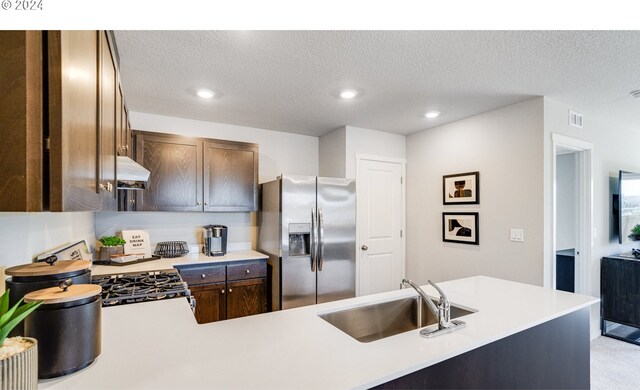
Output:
[[227, 290], [620, 298]]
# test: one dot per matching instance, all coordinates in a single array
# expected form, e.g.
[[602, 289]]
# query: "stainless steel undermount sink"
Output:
[[383, 319]]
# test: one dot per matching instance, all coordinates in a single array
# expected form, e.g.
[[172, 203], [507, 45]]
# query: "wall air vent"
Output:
[[575, 119]]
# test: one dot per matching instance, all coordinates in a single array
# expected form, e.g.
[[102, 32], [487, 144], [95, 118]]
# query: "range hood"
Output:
[[131, 175]]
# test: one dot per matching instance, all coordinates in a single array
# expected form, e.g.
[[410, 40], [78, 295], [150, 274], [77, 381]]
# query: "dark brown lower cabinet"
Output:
[[225, 291], [211, 303], [246, 297]]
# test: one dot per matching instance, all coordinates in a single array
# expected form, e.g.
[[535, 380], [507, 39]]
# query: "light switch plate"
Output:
[[517, 235]]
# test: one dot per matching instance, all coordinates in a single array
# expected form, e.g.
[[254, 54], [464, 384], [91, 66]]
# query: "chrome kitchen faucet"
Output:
[[442, 312]]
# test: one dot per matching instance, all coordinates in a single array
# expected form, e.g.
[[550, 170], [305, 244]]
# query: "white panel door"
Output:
[[380, 221]]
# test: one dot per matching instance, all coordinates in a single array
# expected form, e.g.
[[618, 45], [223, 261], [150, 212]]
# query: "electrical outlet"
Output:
[[517, 235]]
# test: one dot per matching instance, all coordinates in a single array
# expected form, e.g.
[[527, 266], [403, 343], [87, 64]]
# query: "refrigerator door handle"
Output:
[[320, 254], [313, 250]]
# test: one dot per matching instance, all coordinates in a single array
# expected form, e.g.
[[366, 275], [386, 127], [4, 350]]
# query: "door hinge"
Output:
[[47, 143]]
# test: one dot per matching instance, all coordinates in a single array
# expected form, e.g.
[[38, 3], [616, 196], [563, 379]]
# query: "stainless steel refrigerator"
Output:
[[308, 229]]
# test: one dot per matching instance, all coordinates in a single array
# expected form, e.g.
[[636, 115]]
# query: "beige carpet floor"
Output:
[[615, 365]]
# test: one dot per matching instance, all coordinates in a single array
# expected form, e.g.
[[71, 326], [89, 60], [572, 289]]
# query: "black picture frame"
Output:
[[469, 192], [464, 220]]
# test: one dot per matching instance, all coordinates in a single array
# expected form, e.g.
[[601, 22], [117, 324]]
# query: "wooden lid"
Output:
[[58, 295], [44, 269]]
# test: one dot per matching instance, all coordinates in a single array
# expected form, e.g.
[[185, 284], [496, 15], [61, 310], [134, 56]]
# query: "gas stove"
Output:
[[120, 289]]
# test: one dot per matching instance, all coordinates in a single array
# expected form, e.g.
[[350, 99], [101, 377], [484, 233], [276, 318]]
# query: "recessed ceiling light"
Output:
[[432, 114], [348, 94], [206, 93]]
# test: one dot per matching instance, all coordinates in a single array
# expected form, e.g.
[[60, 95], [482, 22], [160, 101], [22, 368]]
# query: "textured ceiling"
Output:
[[289, 80]]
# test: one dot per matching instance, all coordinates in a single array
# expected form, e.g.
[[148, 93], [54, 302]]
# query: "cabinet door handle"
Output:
[[199, 203], [222, 291], [102, 187], [230, 291], [206, 204], [247, 271], [203, 276], [132, 201]]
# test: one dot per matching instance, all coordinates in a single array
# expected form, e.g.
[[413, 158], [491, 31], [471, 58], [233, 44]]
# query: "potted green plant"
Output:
[[111, 245], [635, 233], [18, 355]]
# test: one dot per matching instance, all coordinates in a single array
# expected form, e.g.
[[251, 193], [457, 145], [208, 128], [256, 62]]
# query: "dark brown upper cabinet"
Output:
[[175, 163], [58, 113], [230, 176], [73, 120], [108, 126], [124, 145], [21, 158], [120, 151], [195, 174]]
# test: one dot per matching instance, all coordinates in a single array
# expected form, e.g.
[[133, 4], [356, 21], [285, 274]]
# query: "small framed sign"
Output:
[[460, 227], [461, 188], [137, 242]]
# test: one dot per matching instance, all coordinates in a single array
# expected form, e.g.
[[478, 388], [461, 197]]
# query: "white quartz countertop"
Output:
[[168, 263], [159, 345]]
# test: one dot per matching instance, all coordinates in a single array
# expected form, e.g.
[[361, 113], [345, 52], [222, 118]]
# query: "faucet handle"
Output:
[[443, 298]]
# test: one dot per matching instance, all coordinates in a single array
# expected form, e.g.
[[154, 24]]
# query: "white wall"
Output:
[[614, 148], [505, 146], [338, 149], [333, 153], [280, 153], [371, 142], [565, 201], [26, 235]]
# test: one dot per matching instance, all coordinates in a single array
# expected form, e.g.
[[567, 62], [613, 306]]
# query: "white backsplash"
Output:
[[176, 226], [23, 236]]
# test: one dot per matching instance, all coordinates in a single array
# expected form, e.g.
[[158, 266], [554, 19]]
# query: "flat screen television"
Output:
[[628, 205]]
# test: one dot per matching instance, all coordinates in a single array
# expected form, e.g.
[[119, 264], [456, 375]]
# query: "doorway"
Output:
[[380, 243], [567, 223], [572, 214]]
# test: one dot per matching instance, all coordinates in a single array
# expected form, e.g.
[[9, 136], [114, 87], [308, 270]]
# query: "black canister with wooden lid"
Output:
[[68, 327], [36, 276]]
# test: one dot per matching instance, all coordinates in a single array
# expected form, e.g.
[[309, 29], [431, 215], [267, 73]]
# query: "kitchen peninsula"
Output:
[[158, 345]]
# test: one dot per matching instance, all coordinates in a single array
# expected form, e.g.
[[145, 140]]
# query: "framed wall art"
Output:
[[460, 227], [461, 188]]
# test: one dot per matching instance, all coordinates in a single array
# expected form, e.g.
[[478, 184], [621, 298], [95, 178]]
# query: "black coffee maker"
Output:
[[215, 240]]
